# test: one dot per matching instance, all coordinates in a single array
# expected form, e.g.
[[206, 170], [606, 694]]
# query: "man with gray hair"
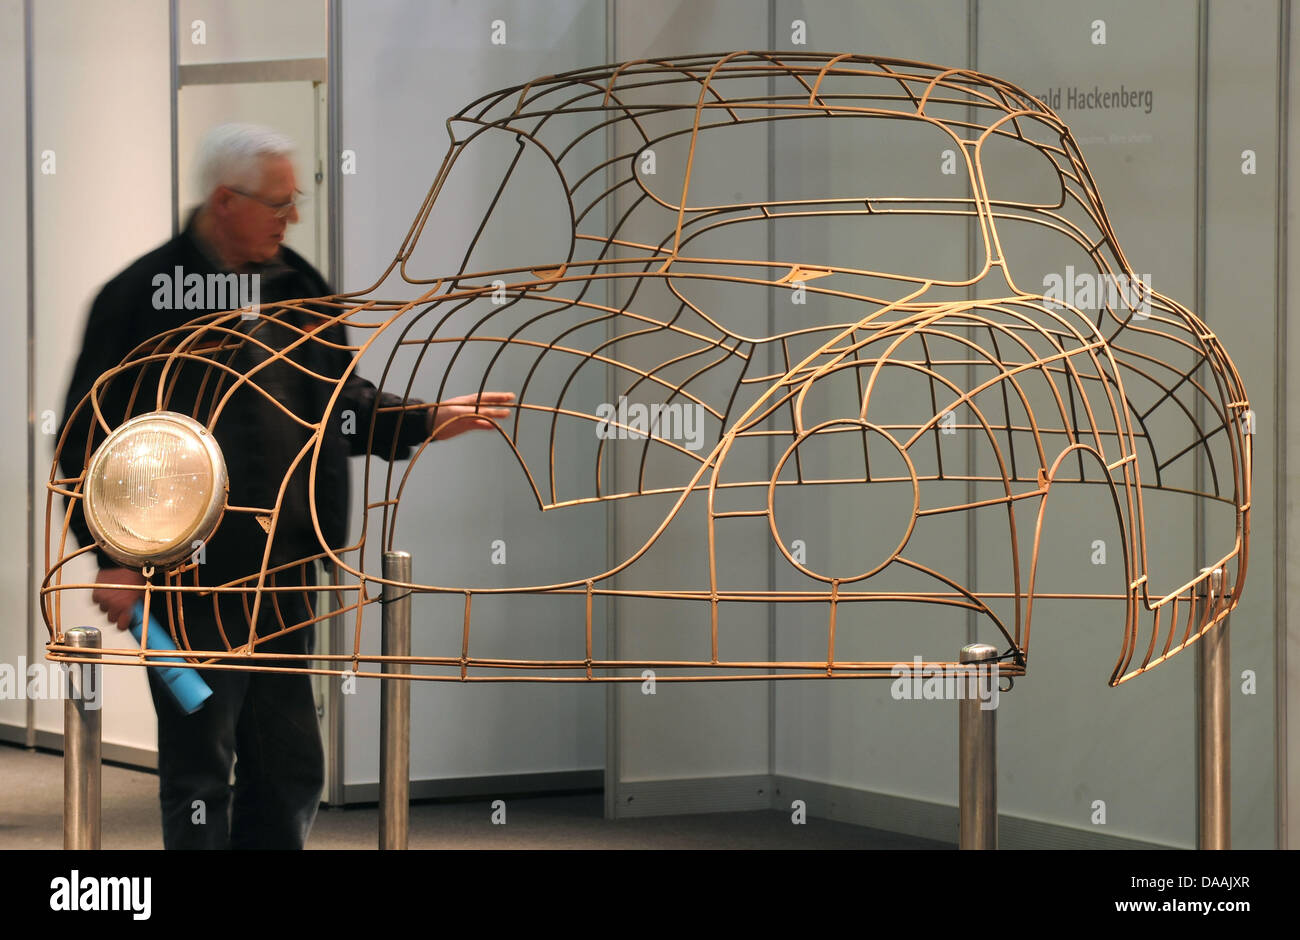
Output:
[[266, 720]]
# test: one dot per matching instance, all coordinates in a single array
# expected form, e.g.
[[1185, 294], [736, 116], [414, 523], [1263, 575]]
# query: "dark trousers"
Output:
[[263, 724]]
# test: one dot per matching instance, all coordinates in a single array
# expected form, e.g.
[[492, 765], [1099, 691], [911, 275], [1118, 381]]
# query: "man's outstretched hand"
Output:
[[117, 602], [467, 413]]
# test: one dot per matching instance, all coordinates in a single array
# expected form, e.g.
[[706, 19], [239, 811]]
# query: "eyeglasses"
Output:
[[281, 209]]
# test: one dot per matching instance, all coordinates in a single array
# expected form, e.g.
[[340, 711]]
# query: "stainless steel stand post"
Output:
[[395, 708], [977, 761], [1213, 727], [82, 754]]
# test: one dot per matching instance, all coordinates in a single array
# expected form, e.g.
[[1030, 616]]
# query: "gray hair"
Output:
[[232, 154]]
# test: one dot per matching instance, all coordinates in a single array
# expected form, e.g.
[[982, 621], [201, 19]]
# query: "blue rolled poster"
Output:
[[186, 685]]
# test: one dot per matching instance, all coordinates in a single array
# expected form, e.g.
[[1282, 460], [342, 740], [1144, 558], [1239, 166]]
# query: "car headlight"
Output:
[[155, 486]]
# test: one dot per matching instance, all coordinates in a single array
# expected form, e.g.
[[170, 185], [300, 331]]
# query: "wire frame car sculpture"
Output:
[[1124, 391]]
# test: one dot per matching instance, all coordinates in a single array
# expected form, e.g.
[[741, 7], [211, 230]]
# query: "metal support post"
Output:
[[977, 760], [82, 745], [395, 708], [1213, 726]]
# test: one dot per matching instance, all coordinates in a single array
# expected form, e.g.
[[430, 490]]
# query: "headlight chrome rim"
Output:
[[181, 545]]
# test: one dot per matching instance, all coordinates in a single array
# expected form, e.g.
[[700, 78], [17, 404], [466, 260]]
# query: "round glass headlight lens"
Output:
[[153, 487]]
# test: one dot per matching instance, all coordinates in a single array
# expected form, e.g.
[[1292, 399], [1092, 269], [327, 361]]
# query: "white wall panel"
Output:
[[249, 30], [1071, 740], [13, 357], [1288, 398], [693, 729], [852, 733], [1241, 284], [407, 67], [107, 202]]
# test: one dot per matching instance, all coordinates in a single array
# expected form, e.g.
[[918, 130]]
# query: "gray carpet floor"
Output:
[[31, 817]]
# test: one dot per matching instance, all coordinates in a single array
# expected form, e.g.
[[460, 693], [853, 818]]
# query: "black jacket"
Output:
[[257, 439]]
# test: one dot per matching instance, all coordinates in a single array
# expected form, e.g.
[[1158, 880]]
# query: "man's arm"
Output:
[[407, 429], [397, 432]]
